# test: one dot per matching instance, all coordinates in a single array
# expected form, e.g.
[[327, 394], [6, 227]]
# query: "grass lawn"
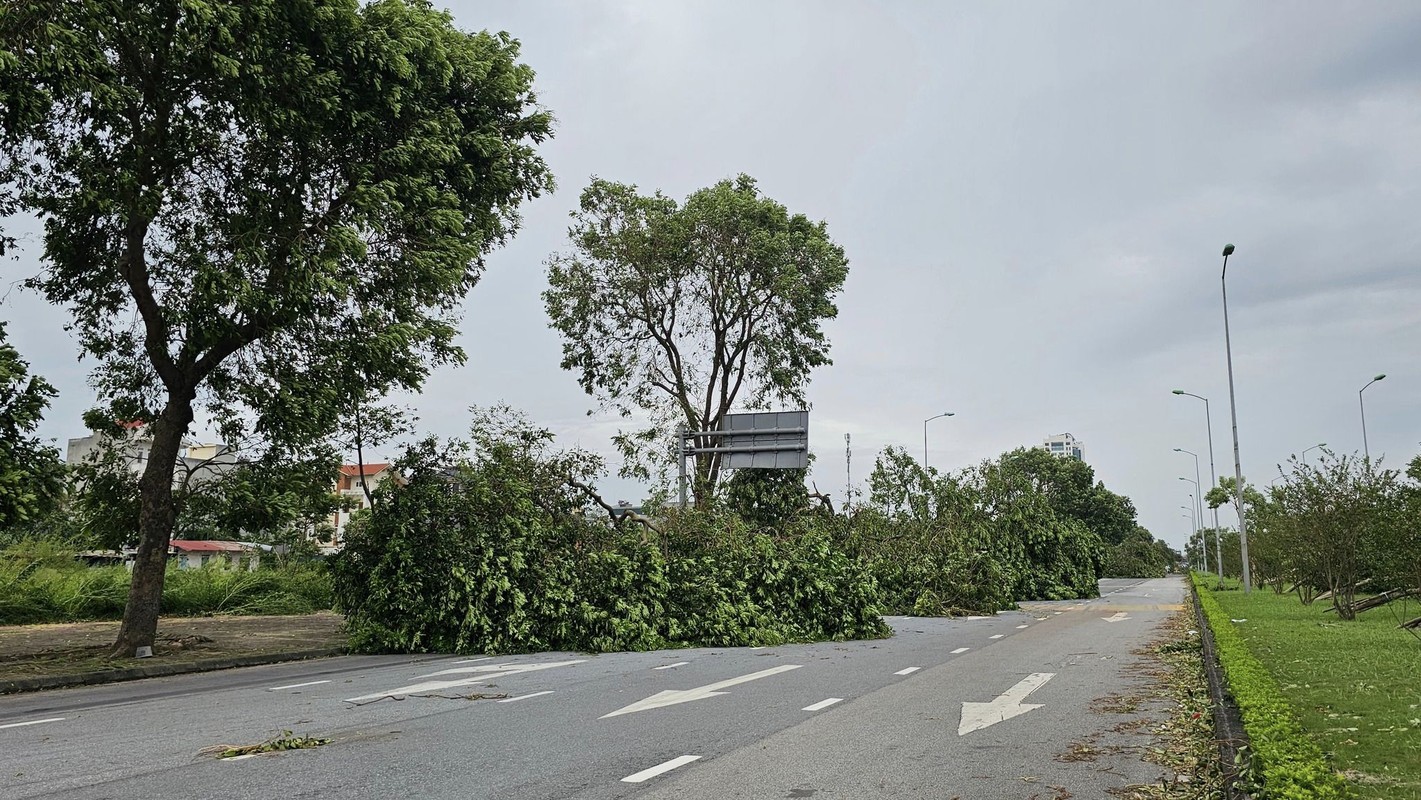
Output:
[[1356, 685]]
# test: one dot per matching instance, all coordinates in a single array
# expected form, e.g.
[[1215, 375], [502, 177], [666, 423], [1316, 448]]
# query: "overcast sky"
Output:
[[1033, 200]]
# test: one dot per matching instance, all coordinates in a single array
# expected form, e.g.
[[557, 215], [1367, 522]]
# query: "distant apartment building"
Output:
[[1065, 446], [351, 485], [197, 463]]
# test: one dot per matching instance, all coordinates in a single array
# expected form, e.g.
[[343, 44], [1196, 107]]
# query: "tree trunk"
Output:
[[156, 516]]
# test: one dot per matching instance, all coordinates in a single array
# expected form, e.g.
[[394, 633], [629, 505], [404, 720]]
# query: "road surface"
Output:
[[972, 708]]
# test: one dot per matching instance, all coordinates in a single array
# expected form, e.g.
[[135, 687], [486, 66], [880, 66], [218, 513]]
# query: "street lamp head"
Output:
[[1228, 250], [948, 414], [1178, 450], [1179, 391], [1379, 377]]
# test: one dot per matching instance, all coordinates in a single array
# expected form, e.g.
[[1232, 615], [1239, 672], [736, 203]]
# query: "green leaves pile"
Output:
[[496, 548], [493, 554]]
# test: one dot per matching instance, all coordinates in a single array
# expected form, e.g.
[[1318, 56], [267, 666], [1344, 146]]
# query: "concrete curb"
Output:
[[160, 670], [1228, 724]]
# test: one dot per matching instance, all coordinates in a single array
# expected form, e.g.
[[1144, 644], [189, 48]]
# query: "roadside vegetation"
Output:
[[1324, 701], [503, 545], [42, 583]]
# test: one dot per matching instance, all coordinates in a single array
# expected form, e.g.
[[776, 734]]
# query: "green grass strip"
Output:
[[1286, 764]]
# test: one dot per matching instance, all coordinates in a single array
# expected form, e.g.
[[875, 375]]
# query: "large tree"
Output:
[[31, 475], [683, 312], [269, 209]]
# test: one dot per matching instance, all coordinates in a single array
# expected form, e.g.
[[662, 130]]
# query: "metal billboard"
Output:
[[766, 440]]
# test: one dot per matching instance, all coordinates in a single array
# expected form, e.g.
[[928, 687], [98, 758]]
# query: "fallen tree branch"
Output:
[[823, 498], [617, 515]]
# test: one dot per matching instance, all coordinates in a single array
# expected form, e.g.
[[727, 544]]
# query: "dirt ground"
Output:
[[29, 651]]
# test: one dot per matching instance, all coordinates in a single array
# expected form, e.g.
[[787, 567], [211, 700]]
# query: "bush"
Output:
[[1286, 763]]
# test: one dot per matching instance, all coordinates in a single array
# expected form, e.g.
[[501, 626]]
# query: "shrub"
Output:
[[1287, 764]]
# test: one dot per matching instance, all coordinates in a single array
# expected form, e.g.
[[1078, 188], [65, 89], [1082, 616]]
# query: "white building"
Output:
[[1065, 446]]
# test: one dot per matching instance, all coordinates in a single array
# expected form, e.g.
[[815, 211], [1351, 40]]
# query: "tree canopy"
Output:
[[268, 208], [684, 312], [31, 475]]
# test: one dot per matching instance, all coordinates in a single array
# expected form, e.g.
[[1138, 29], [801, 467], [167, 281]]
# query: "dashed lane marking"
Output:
[[1019, 627], [525, 696], [997, 636], [296, 685], [907, 671], [961, 650], [823, 704], [31, 722], [669, 666], [651, 772]]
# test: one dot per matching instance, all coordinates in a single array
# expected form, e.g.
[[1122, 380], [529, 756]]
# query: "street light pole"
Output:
[[1213, 477], [1314, 447], [1203, 542], [1233, 414], [925, 435], [1366, 450], [1197, 479]]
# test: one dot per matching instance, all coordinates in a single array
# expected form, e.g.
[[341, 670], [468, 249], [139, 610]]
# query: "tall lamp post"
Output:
[[1233, 414], [1366, 450], [1314, 447], [925, 435], [1197, 480], [1213, 476], [1203, 543]]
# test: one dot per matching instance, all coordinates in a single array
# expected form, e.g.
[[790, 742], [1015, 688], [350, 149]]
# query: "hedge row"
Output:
[[1286, 763]]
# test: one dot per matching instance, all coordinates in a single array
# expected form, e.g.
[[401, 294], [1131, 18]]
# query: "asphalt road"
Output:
[[877, 719]]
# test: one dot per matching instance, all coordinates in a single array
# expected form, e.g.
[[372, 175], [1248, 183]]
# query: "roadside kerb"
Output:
[[161, 670], [1228, 722]]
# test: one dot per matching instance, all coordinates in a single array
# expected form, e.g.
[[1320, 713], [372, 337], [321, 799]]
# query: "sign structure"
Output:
[[770, 440], [762, 440]]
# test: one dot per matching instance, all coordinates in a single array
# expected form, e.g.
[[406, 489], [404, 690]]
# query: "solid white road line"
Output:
[[908, 671], [669, 666], [31, 722], [961, 650], [652, 772], [823, 704], [296, 685], [997, 636], [525, 696]]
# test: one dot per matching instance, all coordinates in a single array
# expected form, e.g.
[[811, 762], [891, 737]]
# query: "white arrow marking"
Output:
[[976, 716], [1119, 616], [672, 697], [483, 672]]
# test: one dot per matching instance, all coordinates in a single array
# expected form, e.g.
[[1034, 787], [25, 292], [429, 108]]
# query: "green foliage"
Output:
[[1336, 523], [684, 311], [266, 208], [1139, 556], [492, 553], [766, 498], [31, 474], [42, 583], [1286, 763]]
